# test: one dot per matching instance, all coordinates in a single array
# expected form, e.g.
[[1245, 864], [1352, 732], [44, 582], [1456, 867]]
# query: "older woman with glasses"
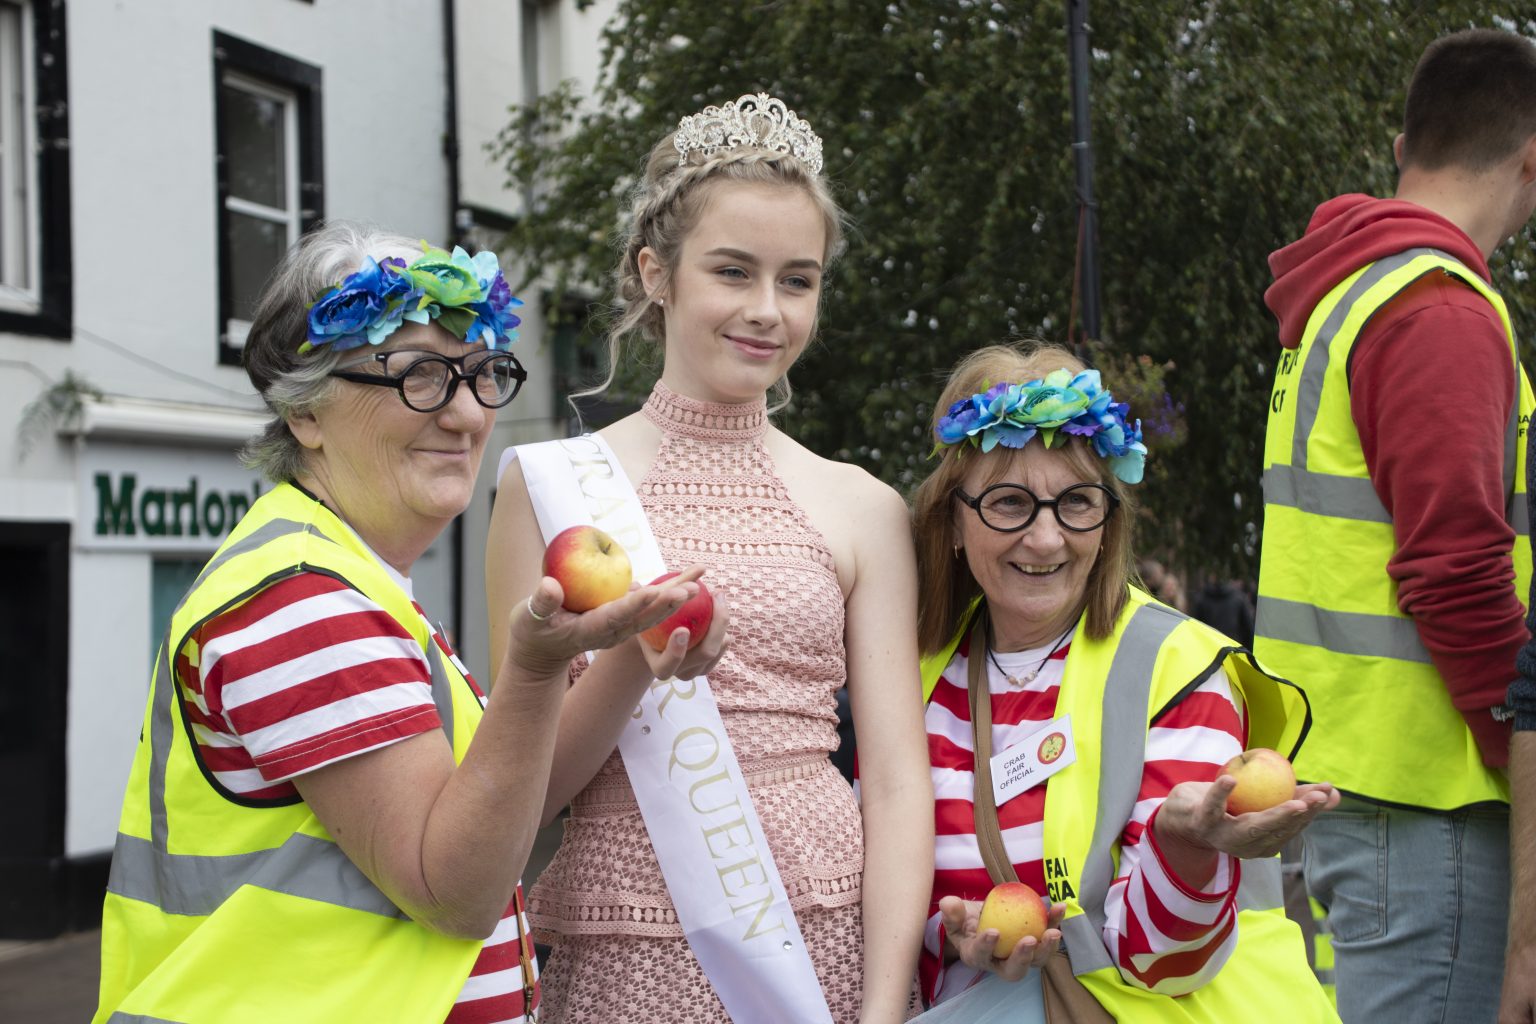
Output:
[[327, 817], [1076, 728]]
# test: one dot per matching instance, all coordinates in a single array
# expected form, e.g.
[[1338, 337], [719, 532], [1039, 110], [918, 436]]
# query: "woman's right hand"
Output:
[[677, 660], [975, 948], [545, 636]]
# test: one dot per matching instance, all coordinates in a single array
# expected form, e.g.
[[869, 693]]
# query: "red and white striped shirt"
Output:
[[1163, 934], [309, 672]]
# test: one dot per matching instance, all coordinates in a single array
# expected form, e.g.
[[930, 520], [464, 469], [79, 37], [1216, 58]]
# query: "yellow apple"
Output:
[[591, 567], [1264, 779], [1015, 910]]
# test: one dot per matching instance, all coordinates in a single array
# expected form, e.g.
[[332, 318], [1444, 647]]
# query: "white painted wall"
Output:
[[144, 263], [109, 664], [143, 193]]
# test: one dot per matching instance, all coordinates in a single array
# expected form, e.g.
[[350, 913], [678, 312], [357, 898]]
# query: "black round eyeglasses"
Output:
[[427, 381], [1009, 508]]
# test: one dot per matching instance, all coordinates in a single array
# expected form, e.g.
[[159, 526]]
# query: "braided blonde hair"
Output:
[[665, 206]]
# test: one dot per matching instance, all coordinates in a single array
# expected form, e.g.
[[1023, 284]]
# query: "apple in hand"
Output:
[[1264, 779], [694, 615], [591, 567], [1015, 910]]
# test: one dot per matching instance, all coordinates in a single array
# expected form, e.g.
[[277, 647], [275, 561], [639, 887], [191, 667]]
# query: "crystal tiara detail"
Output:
[[751, 120]]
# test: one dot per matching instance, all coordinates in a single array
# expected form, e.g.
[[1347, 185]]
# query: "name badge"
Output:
[[1033, 759]]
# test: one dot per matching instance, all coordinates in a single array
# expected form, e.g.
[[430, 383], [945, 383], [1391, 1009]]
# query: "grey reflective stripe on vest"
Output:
[[139, 1018], [1294, 486], [162, 730], [195, 886], [1344, 497], [1262, 886], [1123, 742], [1371, 636], [1352, 498], [1309, 393], [442, 689]]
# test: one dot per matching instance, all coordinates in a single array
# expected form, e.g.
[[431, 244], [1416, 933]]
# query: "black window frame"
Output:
[[231, 53], [54, 317]]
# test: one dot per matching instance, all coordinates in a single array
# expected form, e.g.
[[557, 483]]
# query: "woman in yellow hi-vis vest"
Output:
[[326, 818], [1076, 726]]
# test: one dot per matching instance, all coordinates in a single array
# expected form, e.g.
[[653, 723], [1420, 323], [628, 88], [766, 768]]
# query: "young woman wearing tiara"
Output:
[[716, 867]]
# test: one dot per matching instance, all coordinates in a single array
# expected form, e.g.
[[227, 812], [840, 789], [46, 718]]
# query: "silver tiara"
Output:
[[738, 123]]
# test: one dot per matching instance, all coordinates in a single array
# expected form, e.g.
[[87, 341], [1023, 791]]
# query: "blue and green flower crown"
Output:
[[467, 295], [1059, 406]]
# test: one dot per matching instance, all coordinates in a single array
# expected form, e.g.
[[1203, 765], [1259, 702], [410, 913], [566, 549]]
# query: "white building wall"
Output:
[[143, 196]]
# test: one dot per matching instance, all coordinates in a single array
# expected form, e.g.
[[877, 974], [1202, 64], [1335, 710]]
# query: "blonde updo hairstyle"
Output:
[[666, 205], [946, 587]]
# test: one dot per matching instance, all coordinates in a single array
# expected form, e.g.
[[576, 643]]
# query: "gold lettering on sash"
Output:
[[723, 775], [696, 749], [672, 691], [591, 467], [762, 905], [729, 831], [693, 730], [741, 868]]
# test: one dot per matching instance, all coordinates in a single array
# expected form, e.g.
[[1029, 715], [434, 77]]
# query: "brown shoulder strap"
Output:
[[984, 805]]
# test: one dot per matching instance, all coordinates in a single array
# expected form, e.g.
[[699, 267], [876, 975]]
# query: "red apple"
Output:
[[591, 567], [1015, 910], [1264, 779], [694, 615]]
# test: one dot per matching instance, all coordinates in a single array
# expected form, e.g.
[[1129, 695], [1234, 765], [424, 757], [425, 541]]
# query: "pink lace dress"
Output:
[[713, 497]]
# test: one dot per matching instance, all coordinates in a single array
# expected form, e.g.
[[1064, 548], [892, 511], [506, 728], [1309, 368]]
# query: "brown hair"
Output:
[[946, 587], [666, 205], [1471, 102]]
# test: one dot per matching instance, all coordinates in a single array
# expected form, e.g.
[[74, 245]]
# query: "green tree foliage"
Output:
[[1217, 128]]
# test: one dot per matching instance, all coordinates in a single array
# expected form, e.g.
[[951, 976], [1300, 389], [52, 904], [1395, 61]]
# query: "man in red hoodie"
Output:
[[1391, 584]]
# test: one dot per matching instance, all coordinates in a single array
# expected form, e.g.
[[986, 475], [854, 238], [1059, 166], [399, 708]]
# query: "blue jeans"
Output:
[[1418, 905]]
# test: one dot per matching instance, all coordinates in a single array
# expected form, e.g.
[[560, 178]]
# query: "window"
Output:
[[18, 179], [580, 361], [169, 580], [34, 170], [269, 172]]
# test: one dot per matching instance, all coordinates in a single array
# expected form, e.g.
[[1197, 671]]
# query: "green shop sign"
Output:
[[124, 509], [142, 497]]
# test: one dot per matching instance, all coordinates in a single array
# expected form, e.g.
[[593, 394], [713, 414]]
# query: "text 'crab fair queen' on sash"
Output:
[[719, 871]]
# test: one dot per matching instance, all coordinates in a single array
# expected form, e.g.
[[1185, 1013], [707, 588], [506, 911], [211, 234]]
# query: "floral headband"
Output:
[[1056, 407], [467, 295]]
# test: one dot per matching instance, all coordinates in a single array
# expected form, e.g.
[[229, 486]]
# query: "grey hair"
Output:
[[665, 206], [291, 384]]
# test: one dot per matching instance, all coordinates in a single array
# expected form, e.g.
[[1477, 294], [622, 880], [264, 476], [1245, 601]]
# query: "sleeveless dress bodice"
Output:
[[714, 497]]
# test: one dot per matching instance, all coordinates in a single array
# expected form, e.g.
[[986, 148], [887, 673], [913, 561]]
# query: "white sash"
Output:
[[716, 862]]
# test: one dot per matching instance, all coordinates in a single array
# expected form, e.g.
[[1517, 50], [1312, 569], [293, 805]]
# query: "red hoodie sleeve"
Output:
[[1431, 389]]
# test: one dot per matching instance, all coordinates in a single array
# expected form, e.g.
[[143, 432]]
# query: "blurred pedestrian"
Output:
[[1225, 605]]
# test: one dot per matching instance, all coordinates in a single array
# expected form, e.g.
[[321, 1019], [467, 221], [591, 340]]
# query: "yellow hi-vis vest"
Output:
[[1328, 614], [1114, 689], [241, 911]]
